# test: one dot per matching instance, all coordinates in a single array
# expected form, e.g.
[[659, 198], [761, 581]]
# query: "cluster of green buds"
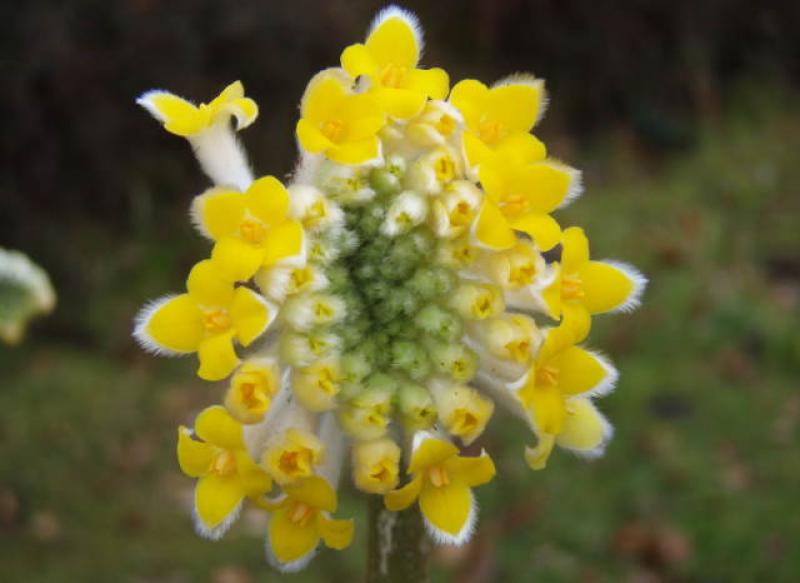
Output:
[[380, 304]]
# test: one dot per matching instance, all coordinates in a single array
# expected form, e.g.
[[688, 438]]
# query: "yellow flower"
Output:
[[520, 194], [389, 59], [376, 465], [207, 320], [252, 388], [183, 118], [500, 116], [443, 482], [339, 123], [225, 472], [293, 456], [462, 410], [251, 228], [300, 519], [583, 287], [555, 392]]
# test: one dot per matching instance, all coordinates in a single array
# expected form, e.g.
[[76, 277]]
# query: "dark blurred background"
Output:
[[686, 120]]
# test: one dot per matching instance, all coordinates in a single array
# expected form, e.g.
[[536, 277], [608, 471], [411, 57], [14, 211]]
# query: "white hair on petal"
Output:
[[393, 11], [639, 281], [146, 101], [575, 181], [196, 210], [600, 449], [605, 386], [445, 538], [222, 156], [218, 531], [140, 328], [292, 566]]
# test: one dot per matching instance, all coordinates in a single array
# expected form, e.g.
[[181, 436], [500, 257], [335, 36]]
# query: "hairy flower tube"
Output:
[[386, 301]]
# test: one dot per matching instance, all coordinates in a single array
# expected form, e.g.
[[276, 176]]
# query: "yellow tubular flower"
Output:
[[501, 116], [560, 373], [462, 410], [182, 118], [520, 195], [300, 520], [225, 472], [442, 481], [583, 287], [293, 456], [389, 60], [207, 320], [317, 385], [252, 388], [251, 228], [338, 123], [376, 465]]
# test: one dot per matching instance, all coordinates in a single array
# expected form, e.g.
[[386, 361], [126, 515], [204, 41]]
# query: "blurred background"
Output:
[[683, 115]]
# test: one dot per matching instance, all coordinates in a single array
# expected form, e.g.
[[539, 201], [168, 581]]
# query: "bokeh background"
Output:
[[685, 118]]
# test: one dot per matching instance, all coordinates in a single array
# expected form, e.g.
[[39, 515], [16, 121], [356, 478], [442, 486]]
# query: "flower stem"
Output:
[[398, 548]]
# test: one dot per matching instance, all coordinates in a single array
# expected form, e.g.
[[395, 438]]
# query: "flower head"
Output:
[[399, 291]]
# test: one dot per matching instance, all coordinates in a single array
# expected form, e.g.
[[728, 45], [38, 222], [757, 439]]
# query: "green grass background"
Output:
[[700, 483]]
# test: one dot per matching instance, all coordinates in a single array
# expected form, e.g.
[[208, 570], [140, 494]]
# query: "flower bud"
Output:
[[478, 301], [252, 388], [300, 350], [455, 360], [439, 322], [406, 211], [416, 406], [316, 386], [376, 465], [292, 455], [312, 310], [463, 411]]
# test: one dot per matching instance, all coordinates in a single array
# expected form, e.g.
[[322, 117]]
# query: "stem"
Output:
[[398, 547]]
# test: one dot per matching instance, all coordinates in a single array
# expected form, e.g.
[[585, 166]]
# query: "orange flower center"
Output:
[[461, 215], [445, 169], [224, 463], [572, 287], [295, 462], [333, 129], [253, 231], [216, 320], [490, 131], [522, 274], [465, 421], [514, 204], [438, 476], [300, 513], [394, 76], [445, 125], [520, 350], [546, 376]]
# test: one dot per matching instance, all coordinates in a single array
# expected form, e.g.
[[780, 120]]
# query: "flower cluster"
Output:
[[378, 306]]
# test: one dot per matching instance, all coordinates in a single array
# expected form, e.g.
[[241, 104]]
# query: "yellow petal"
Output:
[[255, 481], [447, 507], [580, 371], [216, 498], [516, 105], [394, 41], [283, 242], [577, 317], [524, 146], [585, 429], [311, 138], [575, 250], [218, 212], [178, 115], [217, 357], [243, 109], [268, 200], [356, 60], [543, 229], [547, 405], [314, 492], [492, 228], [552, 295], [400, 103], [435, 83], [609, 286], [537, 456], [545, 184], [556, 340], [475, 150], [237, 260], [472, 471], [337, 534], [216, 426], [431, 451], [250, 315], [468, 97], [175, 324], [362, 115], [291, 541], [355, 152], [403, 497], [194, 456], [323, 97], [208, 287], [233, 91]]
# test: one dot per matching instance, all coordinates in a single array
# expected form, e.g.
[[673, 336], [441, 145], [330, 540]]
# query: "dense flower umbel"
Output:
[[386, 297]]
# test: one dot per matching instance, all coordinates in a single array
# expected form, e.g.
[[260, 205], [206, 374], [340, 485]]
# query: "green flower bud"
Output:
[[410, 357], [456, 360], [439, 322]]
